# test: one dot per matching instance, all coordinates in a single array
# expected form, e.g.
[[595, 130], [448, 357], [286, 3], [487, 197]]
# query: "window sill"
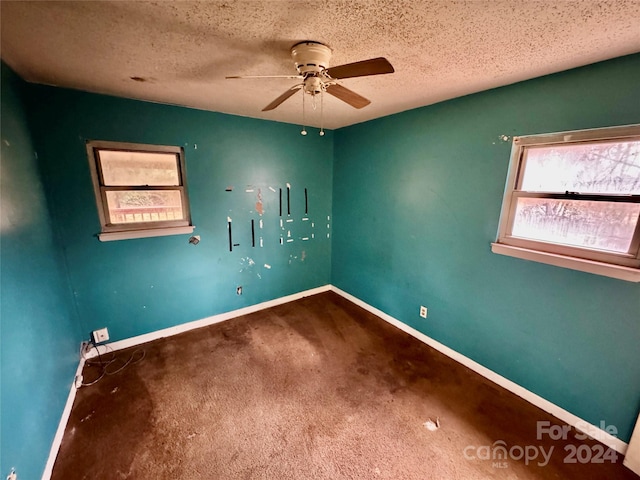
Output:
[[154, 232], [599, 268]]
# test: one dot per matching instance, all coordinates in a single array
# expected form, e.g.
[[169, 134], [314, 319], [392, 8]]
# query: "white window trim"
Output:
[[155, 232], [137, 230], [581, 264], [560, 256]]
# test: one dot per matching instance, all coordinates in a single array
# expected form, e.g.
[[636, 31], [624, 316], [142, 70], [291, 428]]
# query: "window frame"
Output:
[[624, 266], [121, 231]]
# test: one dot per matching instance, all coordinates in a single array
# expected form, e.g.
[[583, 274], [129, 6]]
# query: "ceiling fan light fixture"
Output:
[[313, 85]]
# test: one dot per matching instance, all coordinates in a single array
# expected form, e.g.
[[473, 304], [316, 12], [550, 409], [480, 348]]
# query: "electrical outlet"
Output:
[[100, 336], [13, 475], [423, 311], [239, 290]]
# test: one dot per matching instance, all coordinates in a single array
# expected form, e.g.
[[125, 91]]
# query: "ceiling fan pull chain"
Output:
[[322, 112], [304, 131]]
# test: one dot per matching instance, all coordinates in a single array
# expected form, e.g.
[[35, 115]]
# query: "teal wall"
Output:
[[39, 335], [138, 286], [417, 199]]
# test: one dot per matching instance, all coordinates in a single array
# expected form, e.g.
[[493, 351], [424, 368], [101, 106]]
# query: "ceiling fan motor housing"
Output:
[[310, 57]]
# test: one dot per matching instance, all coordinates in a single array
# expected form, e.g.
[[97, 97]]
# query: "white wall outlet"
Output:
[[423, 311], [99, 336], [13, 475]]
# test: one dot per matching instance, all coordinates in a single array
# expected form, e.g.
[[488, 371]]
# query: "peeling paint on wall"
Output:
[[503, 139], [246, 264], [259, 206]]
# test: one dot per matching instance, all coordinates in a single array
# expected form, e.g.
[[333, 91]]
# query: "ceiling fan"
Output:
[[311, 59]]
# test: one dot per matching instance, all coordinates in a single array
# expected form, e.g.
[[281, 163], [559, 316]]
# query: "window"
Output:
[[140, 190], [573, 200]]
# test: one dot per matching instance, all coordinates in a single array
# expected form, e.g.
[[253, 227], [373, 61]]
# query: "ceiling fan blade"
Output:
[[373, 66], [348, 96], [265, 76], [282, 98]]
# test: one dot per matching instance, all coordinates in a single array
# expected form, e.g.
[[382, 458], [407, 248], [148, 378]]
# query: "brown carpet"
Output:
[[314, 389]]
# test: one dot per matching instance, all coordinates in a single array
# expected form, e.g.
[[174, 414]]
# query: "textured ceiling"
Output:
[[180, 52]]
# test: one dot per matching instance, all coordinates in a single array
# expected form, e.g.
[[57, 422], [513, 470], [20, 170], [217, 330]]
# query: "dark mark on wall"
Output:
[[253, 233]]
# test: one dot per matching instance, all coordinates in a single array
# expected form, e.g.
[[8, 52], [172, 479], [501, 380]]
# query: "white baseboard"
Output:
[[62, 426], [632, 457], [185, 327], [551, 408]]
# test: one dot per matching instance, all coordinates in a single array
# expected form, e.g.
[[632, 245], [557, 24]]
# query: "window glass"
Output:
[[605, 167], [598, 225], [130, 206], [122, 168]]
